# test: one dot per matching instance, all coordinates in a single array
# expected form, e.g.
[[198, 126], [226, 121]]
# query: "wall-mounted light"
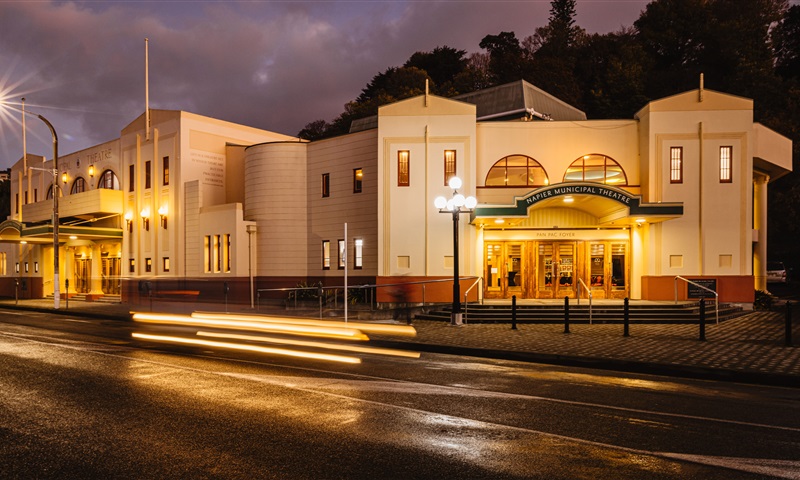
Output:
[[145, 213], [162, 212], [64, 177], [129, 221], [91, 170]]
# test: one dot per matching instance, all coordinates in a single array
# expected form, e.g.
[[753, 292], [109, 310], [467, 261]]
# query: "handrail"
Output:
[[466, 294], [588, 291], [716, 295], [293, 290]]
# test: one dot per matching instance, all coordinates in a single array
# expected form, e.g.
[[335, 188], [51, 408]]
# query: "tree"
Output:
[[442, 65], [506, 60], [786, 42], [314, 130]]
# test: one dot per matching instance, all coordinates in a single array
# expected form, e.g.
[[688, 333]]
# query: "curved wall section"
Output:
[[275, 198]]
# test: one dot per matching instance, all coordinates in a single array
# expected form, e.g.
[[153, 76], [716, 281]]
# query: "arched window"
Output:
[[516, 171], [596, 168], [50, 193], [78, 186], [108, 180]]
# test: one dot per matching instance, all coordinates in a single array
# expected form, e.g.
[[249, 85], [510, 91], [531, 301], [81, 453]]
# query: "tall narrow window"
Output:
[[342, 252], [227, 253], [326, 185], [131, 177], [165, 264], [147, 174], [676, 165], [165, 171], [403, 179], [217, 254], [326, 254], [449, 165], [16, 203], [35, 195], [725, 164], [131, 265], [148, 265], [358, 258], [208, 255], [358, 177]]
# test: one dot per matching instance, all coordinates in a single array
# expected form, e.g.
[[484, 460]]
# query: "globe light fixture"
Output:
[[455, 206]]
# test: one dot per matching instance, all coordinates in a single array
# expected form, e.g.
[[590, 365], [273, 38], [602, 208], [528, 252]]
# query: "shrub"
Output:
[[763, 300]]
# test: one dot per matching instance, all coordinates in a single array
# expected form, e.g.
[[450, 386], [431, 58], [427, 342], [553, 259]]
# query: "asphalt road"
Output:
[[80, 398]]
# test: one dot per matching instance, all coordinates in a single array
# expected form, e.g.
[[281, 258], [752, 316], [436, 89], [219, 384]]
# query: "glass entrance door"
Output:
[[83, 272], [556, 273], [111, 271], [505, 270]]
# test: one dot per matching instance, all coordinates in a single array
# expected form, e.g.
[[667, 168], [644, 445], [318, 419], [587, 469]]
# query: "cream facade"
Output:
[[566, 205]]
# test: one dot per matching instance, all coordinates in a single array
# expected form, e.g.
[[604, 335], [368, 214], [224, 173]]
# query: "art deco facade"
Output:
[[620, 207]]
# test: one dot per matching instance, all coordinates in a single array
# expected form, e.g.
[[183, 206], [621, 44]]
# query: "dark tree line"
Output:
[[749, 48]]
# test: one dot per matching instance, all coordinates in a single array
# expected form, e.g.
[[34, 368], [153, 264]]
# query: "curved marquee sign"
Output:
[[632, 202]]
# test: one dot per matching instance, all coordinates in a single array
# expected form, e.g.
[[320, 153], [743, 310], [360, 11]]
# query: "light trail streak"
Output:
[[381, 328], [252, 325], [245, 347], [306, 343]]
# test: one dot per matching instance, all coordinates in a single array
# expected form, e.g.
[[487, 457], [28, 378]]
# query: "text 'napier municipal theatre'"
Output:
[[619, 207]]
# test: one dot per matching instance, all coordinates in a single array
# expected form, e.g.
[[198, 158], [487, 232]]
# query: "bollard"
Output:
[[566, 314], [625, 317], [513, 312], [66, 283], [788, 324], [702, 319]]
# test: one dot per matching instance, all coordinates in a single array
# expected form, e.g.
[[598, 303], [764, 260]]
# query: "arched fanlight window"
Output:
[[516, 171], [78, 186], [50, 193], [108, 180], [596, 168]]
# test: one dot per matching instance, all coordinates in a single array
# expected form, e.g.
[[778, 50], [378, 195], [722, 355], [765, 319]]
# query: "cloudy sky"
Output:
[[276, 65]]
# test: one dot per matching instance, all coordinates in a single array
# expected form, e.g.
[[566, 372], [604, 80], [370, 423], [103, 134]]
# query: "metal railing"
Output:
[[477, 281], [589, 292], [325, 294], [716, 295]]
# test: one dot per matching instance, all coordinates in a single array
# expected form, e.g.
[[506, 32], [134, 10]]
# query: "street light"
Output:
[[457, 205], [54, 171]]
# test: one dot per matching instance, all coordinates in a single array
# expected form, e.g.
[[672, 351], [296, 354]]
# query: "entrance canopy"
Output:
[[610, 206]]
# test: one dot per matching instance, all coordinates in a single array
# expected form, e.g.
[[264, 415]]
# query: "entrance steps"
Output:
[[82, 297], [649, 312]]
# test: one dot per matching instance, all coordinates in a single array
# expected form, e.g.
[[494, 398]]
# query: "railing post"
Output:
[[702, 319], [566, 314], [788, 324], [513, 312], [626, 317]]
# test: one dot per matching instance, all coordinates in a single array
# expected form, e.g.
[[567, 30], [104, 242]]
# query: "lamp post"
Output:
[[457, 205], [54, 171]]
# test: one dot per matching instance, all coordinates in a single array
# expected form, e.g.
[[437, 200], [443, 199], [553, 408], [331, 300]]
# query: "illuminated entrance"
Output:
[[554, 239], [553, 269]]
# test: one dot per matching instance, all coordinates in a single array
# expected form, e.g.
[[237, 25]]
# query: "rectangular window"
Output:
[[449, 165], [725, 164], [326, 185], [147, 174], [3, 265], [26, 267], [165, 264], [26, 197], [35, 195], [131, 177], [148, 265], [326, 254], [359, 254], [227, 253], [35, 267], [358, 176], [16, 202], [208, 257], [131, 265], [676, 165], [403, 179], [342, 252], [217, 253], [165, 171]]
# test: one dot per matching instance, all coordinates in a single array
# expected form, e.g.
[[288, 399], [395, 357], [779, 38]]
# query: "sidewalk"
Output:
[[748, 349]]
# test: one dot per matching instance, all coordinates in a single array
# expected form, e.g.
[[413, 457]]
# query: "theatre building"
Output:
[[565, 205]]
